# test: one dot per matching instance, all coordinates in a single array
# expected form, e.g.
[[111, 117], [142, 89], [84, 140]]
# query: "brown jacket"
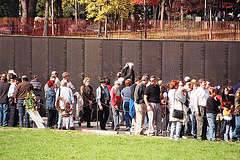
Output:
[[86, 95], [22, 90]]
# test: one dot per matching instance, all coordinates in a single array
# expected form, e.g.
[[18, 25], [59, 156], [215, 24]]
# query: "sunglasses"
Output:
[[152, 80]]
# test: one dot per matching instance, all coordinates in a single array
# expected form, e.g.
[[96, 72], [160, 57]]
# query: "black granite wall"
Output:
[[96, 58]]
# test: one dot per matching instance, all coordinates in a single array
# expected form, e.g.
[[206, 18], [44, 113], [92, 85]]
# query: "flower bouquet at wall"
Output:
[[31, 102]]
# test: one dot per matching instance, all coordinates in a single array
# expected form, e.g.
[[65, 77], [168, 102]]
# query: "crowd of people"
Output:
[[145, 105]]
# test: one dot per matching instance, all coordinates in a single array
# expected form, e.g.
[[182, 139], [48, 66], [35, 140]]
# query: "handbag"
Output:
[[177, 114]]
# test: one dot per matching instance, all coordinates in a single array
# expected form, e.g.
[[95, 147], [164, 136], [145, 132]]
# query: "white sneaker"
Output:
[[184, 137], [177, 139], [170, 138]]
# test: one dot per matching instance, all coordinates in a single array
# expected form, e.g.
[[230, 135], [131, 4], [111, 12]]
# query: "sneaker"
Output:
[[184, 137], [151, 134], [177, 139], [170, 138], [127, 129], [116, 128]]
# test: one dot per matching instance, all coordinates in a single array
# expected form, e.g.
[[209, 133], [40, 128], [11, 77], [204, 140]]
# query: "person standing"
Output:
[[109, 89], [65, 92], [154, 110], [236, 132], [115, 104], [19, 96], [132, 114], [227, 116], [13, 118], [4, 110], [235, 88], [87, 94], [211, 113], [57, 80], [66, 77], [50, 104], [140, 106], [46, 85], [179, 104], [200, 102], [171, 98], [37, 88], [194, 86], [103, 99], [126, 96]]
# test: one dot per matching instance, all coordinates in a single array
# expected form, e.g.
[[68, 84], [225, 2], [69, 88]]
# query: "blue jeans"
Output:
[[23, 112], [126, 113], [176, 129], [193, 123], [236, 132], [211, 118], [4, 114]]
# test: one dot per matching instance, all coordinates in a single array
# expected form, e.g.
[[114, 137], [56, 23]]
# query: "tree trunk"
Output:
[[155, 16], [106, 21], [45, 30], [59, 8], [169, 5], [134, 20], [181, 11], [24, 19], [24, 9], [121, 21], [15, 8], [162, 14], [32, 8]]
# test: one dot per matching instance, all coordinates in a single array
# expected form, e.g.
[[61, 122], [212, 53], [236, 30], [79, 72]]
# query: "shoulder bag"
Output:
[[178, 113]]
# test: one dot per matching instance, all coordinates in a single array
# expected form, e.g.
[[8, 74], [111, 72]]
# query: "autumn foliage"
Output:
[[148, 2]]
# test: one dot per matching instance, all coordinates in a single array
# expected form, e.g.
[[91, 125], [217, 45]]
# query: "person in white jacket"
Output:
[[177, 97], [67, 94]]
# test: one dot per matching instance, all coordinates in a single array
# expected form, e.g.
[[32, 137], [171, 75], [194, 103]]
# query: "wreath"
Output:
[[68, 108]]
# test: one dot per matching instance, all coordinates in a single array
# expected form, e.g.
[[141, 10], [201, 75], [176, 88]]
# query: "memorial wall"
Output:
[[217, 61]]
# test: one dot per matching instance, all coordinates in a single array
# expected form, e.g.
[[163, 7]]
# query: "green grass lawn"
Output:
[[23, 143]]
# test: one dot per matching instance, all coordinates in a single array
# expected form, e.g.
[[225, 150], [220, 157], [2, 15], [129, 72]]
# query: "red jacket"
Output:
[[115, 96]]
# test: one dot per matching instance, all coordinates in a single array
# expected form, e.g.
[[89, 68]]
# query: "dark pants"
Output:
[[201, 123], [13, 117], [87, 114], [103, 117], [51, 117], [165, 119]]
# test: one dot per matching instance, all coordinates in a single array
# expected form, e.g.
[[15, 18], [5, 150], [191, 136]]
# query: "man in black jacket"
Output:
[[4, 111]]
